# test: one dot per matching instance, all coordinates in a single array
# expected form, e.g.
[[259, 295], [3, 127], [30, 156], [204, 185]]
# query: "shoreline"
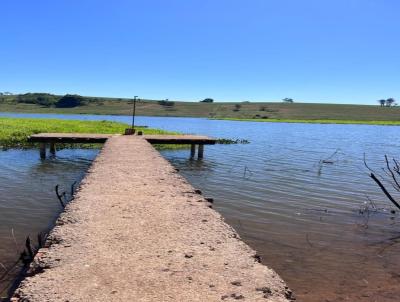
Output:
[[317, 121]]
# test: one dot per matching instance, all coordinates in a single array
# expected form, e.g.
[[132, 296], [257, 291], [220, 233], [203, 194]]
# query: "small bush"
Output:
[[70, 101], [237, 107], [166, 103], [288, 100]]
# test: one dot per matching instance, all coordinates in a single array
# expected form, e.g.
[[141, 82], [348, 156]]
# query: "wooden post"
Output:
[[42, 150], [53, 148], [192, 150], [201, 151]]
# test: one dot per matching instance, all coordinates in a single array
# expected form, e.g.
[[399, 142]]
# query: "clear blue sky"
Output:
[[337, 51]]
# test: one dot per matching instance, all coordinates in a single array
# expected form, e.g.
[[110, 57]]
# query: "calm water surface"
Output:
[[301, 215]]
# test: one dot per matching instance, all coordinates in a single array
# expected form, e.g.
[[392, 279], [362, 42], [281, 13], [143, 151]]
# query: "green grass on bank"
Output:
[[14, 132], [326, 121]]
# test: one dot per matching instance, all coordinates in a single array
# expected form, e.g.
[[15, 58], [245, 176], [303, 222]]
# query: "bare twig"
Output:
[[59, 196], [392, 174], [365, 164], [379, 183], [29, 247], [73, 188], [371, 202], [245, 172]]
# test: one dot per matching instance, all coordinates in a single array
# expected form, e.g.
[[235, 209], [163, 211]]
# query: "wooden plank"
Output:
[[102, 138], [69, 138], [180, 139]]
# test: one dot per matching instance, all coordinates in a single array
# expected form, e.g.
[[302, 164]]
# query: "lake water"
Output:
[[301, 215]]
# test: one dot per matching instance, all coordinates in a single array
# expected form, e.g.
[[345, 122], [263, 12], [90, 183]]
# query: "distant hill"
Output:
[[49, 103]]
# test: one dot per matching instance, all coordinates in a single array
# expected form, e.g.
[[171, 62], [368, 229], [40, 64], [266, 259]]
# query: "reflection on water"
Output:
[[294, 194]]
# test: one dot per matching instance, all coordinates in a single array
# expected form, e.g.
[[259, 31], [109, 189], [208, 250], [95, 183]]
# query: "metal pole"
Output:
[[134, 112]]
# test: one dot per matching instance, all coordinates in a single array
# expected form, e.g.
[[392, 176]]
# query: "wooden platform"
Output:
[[179, 139], [81, 138]]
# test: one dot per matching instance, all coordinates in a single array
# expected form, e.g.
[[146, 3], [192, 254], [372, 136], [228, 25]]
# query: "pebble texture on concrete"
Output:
[[137, 231]]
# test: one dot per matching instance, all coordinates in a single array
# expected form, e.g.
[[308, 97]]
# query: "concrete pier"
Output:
[[138, 231]]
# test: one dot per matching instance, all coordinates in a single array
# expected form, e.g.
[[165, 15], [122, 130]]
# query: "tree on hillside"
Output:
[[288, 100], [237, 107], [382, 102], [166, 103], [70, 101], [207, 100], [390, 102]]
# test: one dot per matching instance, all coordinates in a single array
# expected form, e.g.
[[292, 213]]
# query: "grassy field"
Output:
[[276, 111], [15, 131]]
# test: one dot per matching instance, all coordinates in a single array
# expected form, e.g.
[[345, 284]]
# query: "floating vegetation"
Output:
[[14, 132], [226, 141]]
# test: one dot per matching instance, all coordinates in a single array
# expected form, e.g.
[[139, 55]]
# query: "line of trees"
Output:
[[388, 102], [51, 100]]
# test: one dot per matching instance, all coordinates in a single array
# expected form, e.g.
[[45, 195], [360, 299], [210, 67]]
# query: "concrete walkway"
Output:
[[137, 231]]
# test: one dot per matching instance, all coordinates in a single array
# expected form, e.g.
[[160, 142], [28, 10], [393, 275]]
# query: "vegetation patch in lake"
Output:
[[14, 132]]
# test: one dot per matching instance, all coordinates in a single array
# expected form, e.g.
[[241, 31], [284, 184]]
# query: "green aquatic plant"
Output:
[[226, 141], [14, 132]]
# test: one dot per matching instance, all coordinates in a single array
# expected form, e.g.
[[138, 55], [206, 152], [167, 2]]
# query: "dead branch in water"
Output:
[[29, 247], [73, 189], [246, 169], [59, 196], [391, 173], [328, 160], [384, 190], [12, 275]]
